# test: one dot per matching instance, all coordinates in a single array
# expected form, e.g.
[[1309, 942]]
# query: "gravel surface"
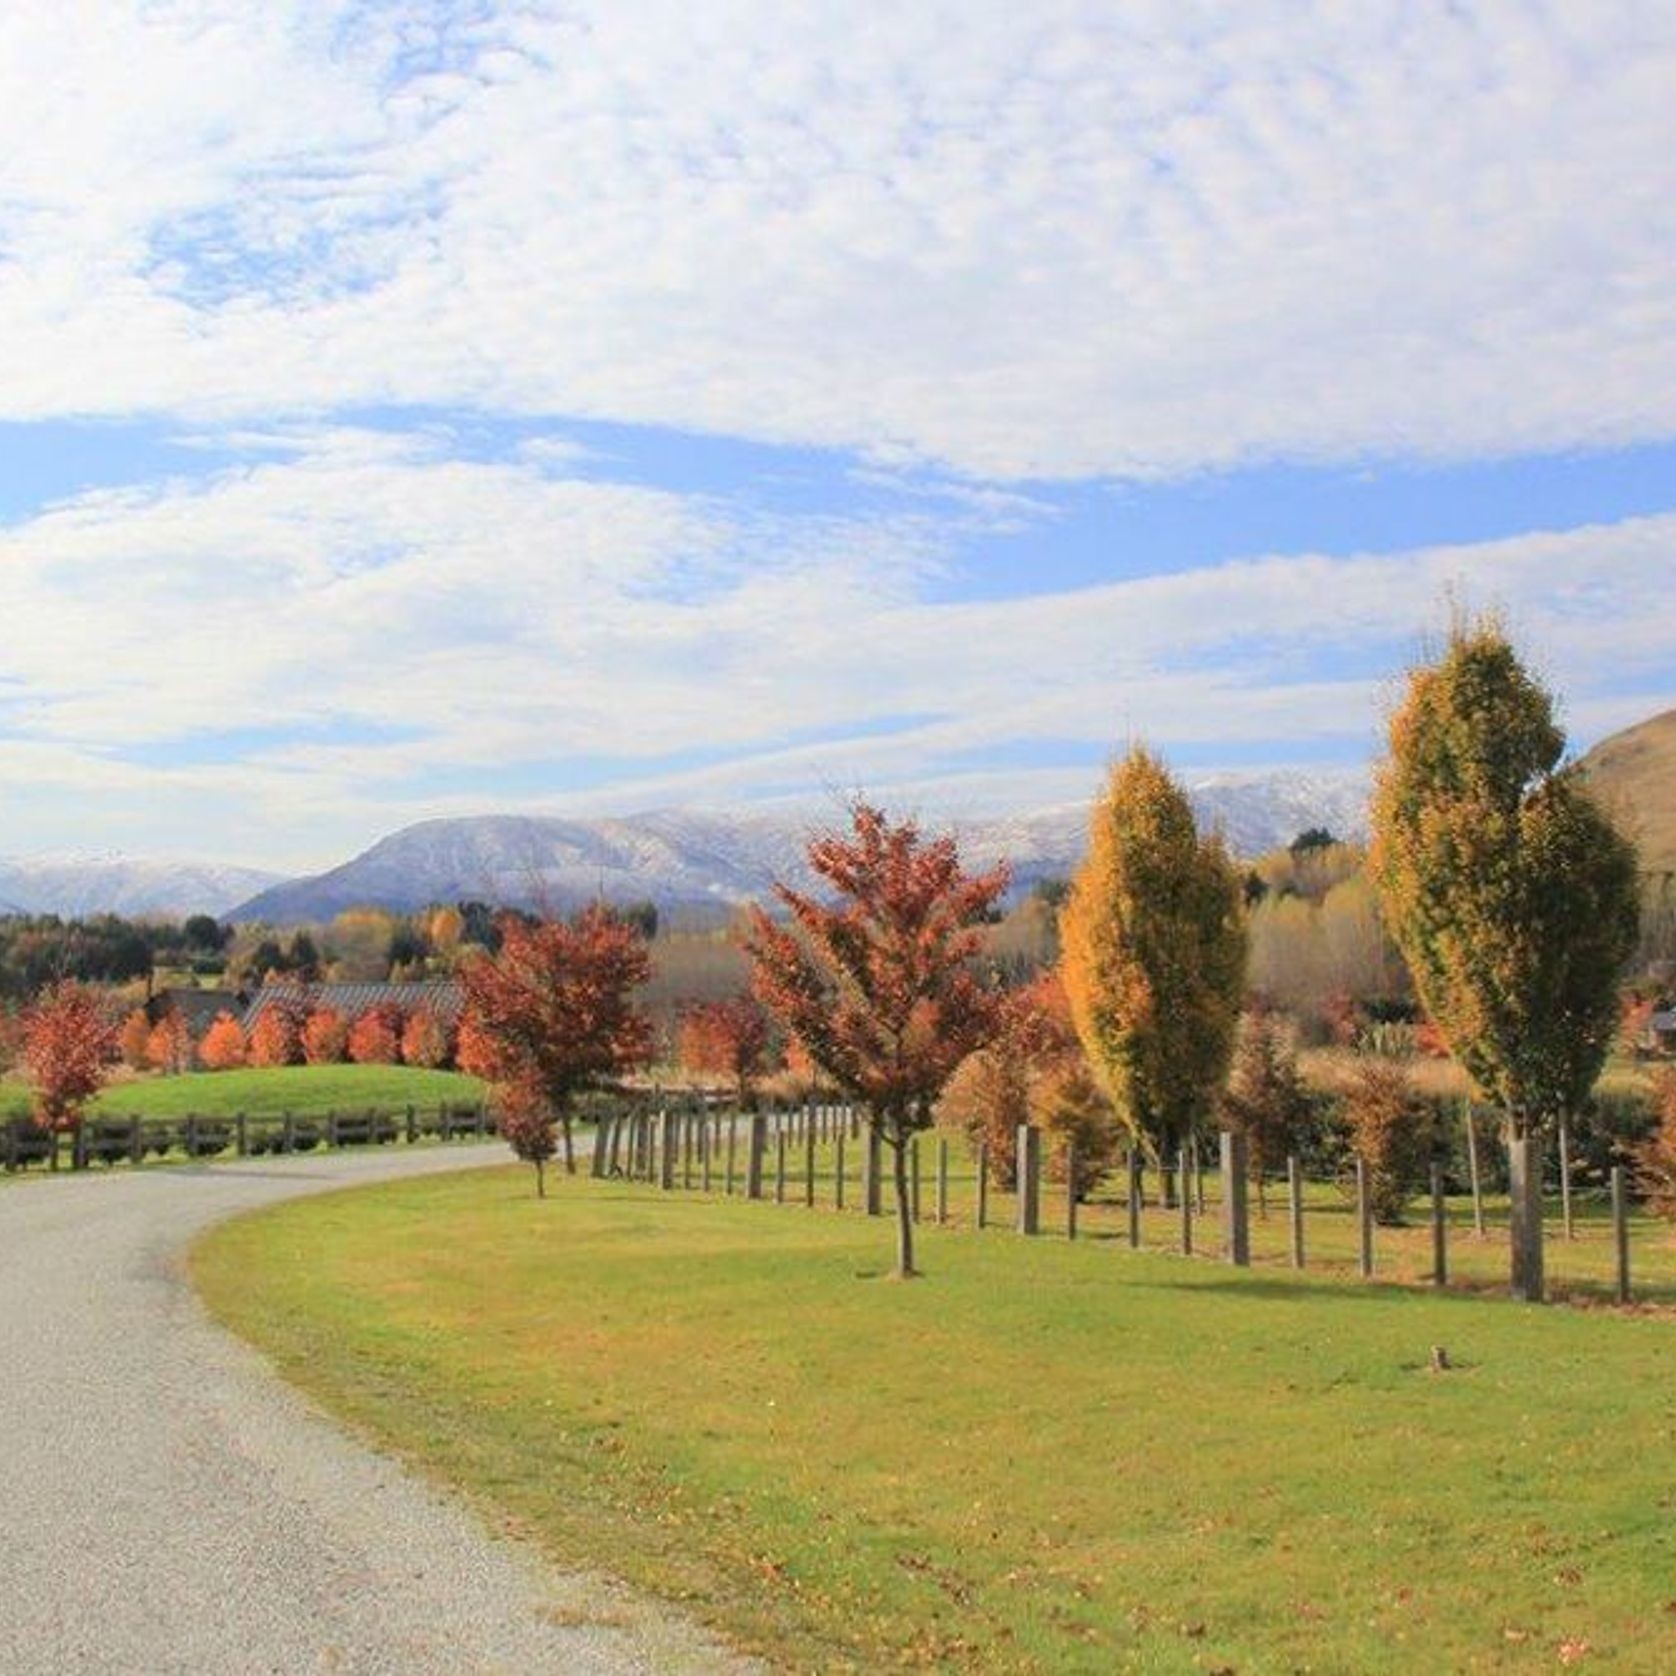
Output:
[[167, 1505]]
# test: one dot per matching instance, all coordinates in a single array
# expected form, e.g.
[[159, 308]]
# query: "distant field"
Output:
[[303, 1089], [1042, 1457]]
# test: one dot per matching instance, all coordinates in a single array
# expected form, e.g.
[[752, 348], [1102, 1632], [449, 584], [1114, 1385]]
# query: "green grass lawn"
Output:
[[1042, 1456], [269, 1091]]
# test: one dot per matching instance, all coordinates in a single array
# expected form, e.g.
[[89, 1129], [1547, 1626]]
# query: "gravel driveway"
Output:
[[167, 1505]]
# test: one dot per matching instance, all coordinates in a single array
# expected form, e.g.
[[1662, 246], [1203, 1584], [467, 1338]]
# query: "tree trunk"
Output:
[[904, 1207], [540, 1178]]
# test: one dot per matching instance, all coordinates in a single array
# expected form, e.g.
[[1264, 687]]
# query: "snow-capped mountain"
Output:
[[686, 857], [79, 885]]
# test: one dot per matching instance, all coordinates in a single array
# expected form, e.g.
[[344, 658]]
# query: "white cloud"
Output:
[[1061, 240], [360, 632]]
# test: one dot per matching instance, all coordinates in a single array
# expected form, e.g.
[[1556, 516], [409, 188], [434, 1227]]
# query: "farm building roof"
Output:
[[439, 996]]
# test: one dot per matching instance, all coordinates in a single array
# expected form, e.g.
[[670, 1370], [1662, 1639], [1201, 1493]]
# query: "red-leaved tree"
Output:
[[879, 985], [552, 1013], [727, 1039], [69, 1041]]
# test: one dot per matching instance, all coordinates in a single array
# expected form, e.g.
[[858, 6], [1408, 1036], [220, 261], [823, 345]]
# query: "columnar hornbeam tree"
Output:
[[1154, 947], [1511, 892], [880, 984]]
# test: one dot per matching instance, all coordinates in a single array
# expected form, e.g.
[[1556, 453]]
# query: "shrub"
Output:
[[1266, 1101], [1655, 1158], [1393, 1129]]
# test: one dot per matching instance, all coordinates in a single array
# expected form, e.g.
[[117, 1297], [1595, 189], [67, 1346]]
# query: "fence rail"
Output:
[[808, 1155], [134, 1138]]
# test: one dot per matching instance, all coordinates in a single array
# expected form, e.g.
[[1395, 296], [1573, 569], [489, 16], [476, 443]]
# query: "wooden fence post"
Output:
[[1472, 1168], [1524, 1191], [602, 1135], [983, 1183], [412, 1124], [1565, 1177], [706, 1146], [1440, 1231], [913, 1178], [1198, 1175], [1029, 1178], [780, 1164], [1070, 1188], [241, 1128], [1185, 1195], [942, 1179], [871, 1173], [1133, 1171], [809, 1156], [671, 1150], [1364, 1220], [1620, 1231], [756, 1144], [1295, 1208], [838, 1170], [1236, 1220]]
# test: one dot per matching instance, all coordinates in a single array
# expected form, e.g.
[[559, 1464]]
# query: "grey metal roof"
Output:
[[439, 996]]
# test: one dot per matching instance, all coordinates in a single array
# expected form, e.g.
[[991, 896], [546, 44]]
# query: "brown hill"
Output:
[[1635, 774]]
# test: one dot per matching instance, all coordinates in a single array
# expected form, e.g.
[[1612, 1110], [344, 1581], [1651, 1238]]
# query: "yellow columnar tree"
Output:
[[1512, 894], [1154, 948]]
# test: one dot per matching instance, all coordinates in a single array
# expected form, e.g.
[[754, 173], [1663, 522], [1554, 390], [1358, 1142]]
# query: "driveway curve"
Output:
[[167, 1505]]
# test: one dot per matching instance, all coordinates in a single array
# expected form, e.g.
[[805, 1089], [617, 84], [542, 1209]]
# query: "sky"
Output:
[[429, 407]]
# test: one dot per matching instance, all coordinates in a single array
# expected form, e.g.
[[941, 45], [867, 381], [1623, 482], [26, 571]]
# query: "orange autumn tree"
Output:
[[551, 1015], [425, 1040], [879, 984], [325, 1037], [727, 1038], [224, 1047], [276, 1038], [135, 1041], [169, 1046], [68, 1044], [376, 1036]]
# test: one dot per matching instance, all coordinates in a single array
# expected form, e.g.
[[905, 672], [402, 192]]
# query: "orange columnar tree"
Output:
[[1154, 948], [552, 1014], [880, 984], [375, 1038], [224, 1047], [425, 1040], [69, 1041], [325, 1037]]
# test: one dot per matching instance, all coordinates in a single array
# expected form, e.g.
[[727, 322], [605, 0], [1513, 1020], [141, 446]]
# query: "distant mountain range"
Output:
[[1634, 772], [686, 858], [78, 885]]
